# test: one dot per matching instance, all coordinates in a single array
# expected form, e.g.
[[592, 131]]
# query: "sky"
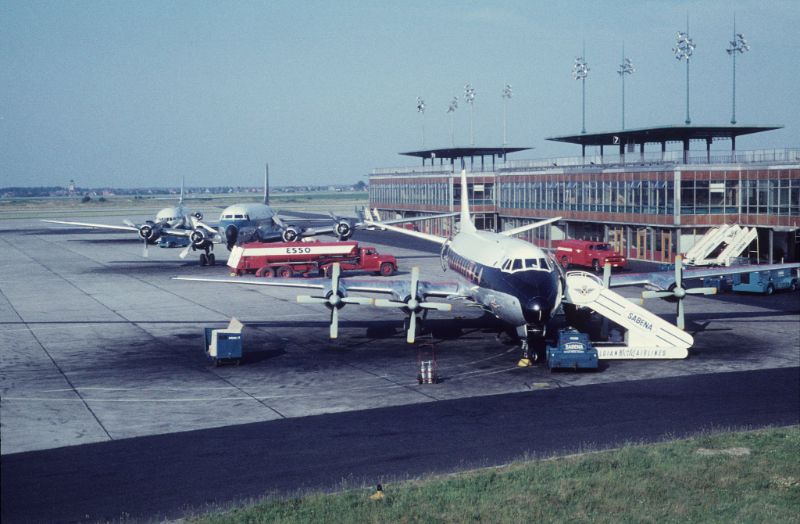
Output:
[[142, 93]]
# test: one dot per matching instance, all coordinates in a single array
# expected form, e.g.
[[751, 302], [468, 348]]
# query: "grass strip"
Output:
[[751, 476]]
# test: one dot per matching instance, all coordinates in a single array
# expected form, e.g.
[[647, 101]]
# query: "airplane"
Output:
[[510, 278], [258, 222], [238, 223], [174, 220]]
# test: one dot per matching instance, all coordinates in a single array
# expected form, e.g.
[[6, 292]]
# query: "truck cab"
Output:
[[588, 253]]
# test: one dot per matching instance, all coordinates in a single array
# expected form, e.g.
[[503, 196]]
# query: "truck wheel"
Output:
[[770, 290], [596, 266], [387, 269], [285, 272], [564, 262], [265, 272]]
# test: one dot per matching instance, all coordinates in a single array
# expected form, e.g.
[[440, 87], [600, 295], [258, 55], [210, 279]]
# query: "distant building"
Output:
[[650, 204]]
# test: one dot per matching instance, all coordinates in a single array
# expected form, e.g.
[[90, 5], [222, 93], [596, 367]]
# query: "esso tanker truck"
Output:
[[588, 254], [288, 259]]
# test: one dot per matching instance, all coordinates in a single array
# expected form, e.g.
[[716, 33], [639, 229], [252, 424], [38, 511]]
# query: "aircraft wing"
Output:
[[526, 227], [662, 280], [417, 234], [97, 226], [399, 289]]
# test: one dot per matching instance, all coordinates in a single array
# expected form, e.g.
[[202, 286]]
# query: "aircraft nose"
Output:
[[535, 310]]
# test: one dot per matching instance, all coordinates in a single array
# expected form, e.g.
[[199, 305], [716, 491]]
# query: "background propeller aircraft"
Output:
[[176, 220], [514, 280]]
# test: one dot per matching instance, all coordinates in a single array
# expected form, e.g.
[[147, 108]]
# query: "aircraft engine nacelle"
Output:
[[198, 215], [150, 232], [344, 230], [290, 234], [199, 239]]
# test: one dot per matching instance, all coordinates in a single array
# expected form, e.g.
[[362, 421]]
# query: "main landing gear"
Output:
[[208, 258]]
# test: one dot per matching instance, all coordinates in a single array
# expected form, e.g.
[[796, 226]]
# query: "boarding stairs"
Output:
[[647, 336], [720, 246]]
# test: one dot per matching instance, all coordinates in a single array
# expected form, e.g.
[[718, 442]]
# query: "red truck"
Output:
[[588, 254], [287, 259]]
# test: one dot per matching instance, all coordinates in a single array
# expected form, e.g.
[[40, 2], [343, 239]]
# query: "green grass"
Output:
[[669, 482]]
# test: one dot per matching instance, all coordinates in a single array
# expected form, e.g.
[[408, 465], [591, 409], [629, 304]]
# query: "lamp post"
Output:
[[451, 111], [684, 47], [625, 68], [469, 97], [738, 45], [421, 109], [506, 98], [580, 70]]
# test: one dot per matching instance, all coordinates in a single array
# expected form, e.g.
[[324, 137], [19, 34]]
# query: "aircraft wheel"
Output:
[[387, 269], [285, 272], [565, 262], [203, 259], [212, 260]]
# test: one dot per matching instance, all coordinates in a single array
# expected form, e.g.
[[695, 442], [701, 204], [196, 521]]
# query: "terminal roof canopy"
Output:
[[452, 153], [663, 134]]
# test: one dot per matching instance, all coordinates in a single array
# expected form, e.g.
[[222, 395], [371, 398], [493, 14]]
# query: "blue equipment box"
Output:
[[222, 346], [574, 351]]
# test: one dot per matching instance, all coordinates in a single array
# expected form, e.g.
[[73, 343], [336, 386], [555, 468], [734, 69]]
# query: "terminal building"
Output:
[[649, 200]]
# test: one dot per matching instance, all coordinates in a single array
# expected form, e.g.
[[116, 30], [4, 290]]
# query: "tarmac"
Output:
[[99, 344]]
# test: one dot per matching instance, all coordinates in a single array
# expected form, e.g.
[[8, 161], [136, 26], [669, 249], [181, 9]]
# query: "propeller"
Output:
[[412, 305], [335, 299], [678, 292]]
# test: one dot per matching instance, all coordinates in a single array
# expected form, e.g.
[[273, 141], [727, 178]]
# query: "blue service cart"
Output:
[[573, 351], [766, 282], [225, 345]]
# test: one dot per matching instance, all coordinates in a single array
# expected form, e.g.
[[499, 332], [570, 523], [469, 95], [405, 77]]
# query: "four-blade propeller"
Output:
[[413, 304], [678, 292], [335, 297]]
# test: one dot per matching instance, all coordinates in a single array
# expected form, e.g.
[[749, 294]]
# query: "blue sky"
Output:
[[142, 93]]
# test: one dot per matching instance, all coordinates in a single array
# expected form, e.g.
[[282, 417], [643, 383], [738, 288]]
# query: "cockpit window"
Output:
[[238, 216], [227, 216], [543, 263], [517, 264], [531, 263]]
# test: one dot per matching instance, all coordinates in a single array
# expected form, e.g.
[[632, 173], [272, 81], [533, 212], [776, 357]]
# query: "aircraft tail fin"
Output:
[[266, 184], [466, 221]]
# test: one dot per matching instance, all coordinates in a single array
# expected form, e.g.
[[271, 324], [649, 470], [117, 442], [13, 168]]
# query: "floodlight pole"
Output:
[[580, 70], [625, 68], [506, 97], [452, 109], [738, 45], [421, 109], [469, 97], [684, 47]]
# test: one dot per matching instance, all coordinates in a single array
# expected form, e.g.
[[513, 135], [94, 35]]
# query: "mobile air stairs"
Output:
[[647, 336], [720, 245]]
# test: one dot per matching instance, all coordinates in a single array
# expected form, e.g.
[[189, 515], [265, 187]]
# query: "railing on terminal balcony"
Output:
[[634, 159]]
